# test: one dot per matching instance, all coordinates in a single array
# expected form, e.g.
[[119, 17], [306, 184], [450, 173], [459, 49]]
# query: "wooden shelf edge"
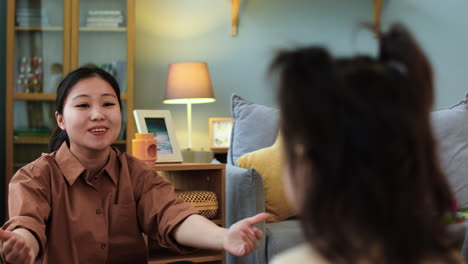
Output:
[[103, 29], [165, 256], [47, 96], [187, 166], [31, 140], [24, 28], [34, 96]]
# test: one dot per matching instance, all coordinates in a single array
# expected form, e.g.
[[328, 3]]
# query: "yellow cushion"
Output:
[[269, 163]]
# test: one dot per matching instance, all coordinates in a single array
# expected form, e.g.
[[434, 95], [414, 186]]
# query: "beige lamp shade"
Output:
[[188, 82]]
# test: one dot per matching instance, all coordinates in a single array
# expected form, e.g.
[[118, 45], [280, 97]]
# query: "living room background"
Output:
[[191, 30], [169, 31]]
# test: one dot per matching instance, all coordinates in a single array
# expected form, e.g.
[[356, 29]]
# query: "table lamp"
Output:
[[188, 83]]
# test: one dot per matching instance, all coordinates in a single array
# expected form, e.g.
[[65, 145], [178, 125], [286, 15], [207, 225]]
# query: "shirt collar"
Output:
[[72, 168]]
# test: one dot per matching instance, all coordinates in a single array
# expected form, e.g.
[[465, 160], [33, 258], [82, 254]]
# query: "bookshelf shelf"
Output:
[[163, 257], [46, 96], [31, 140], [103, 29], [35, 96], [39, 29]]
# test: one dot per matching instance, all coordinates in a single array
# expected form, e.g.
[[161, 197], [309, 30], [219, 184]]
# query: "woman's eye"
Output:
[[82, 105], [109, 104]]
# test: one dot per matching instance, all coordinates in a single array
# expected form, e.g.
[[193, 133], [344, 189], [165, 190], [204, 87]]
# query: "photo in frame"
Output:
[[160, 123], [220, 133]]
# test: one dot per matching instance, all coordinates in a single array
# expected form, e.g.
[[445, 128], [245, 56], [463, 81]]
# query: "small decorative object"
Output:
[[30, 73], [234, 17], [159, 122], [220, 133], [205, 201], [144, 147], [55, 78], [377, 8]]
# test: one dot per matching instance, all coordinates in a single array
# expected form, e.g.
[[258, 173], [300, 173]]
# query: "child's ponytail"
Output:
[[400, 51]]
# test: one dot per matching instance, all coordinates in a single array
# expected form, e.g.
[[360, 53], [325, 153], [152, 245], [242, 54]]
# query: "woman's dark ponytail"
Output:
[[56, 140]]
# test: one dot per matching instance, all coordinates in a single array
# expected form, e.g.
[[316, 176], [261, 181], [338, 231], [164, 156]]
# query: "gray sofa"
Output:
[[256, 126]]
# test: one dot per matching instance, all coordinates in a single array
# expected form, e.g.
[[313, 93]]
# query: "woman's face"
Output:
[[91, 115]]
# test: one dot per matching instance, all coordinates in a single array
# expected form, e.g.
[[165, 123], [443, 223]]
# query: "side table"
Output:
[[196, 177]]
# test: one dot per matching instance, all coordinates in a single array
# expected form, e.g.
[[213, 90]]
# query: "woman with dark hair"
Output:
[[361, 166], [86, 202]]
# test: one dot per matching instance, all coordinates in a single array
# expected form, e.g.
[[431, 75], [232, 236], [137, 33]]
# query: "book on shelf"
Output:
[[32, 17], [104, 18]]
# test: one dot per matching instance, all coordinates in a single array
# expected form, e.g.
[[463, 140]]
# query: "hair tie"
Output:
[[398, 66]]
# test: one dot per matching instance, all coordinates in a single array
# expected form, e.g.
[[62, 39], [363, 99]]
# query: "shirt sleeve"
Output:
[[28, 203], [160, 211]]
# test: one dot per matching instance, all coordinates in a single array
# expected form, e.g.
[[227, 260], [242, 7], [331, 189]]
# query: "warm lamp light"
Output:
[[188, 83]]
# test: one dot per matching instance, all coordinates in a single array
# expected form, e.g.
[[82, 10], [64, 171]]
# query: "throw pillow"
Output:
[[451, 135], [254, 127], [269, 163]]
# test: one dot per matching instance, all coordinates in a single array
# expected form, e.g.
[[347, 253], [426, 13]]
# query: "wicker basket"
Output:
[[206, 202]]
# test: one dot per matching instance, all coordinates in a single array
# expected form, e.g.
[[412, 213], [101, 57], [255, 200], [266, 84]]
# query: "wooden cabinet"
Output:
[[46, 40], [199, 177]]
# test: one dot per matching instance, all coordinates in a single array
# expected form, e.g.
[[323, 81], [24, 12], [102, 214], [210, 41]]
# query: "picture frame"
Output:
[[160, 123], [220, 133]]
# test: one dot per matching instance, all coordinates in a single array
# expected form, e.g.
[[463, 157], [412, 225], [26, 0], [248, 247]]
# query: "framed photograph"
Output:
[[160, 123], [220, 133]]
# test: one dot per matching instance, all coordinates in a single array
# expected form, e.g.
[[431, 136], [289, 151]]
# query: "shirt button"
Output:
[[103, 246], [98, 211]]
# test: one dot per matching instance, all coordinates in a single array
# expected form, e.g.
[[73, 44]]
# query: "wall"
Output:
[[2, 107], [199, 30]]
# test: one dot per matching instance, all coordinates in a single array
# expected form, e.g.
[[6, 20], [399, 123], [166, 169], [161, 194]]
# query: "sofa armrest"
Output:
[[245, 198]]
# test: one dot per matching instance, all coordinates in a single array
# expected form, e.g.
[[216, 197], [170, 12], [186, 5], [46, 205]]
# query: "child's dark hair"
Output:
[[357, 133], [58, 135]]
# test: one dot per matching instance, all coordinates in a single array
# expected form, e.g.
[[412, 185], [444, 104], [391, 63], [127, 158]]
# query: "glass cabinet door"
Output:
[[103, 37], [38, 45], [38, 55]]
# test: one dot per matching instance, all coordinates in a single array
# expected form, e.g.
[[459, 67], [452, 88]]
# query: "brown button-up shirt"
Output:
[[96, 220]]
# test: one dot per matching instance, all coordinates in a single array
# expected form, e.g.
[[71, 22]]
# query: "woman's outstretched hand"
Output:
[[15, 249], [241, 238]]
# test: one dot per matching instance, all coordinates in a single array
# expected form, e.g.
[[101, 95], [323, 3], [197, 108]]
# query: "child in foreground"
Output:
[[361, 165]]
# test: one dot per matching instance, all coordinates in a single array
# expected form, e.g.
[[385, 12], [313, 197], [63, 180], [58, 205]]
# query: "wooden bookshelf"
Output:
[[200, 177]]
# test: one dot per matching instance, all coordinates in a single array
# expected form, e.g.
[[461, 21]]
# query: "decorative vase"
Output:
[[145, 147]]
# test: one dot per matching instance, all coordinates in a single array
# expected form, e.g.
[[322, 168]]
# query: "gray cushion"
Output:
[[282, 235], [255, 126], [457, 234], [244, 198], [451, 134]]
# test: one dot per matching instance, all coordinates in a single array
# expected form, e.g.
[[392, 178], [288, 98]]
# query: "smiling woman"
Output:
[[91, 116], [103, 89], [85, 186]]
